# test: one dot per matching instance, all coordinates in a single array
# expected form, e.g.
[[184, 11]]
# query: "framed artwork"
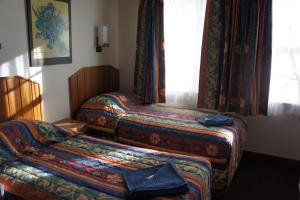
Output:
[[49, 32]]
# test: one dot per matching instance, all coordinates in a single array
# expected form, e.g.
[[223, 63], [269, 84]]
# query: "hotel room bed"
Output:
[[160, 127], [41, 161]]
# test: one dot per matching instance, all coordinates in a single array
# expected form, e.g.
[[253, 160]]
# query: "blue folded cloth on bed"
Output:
[[160, 180], [215, 120]]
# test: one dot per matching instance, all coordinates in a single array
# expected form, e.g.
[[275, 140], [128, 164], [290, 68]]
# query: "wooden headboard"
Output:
[[90, 81], [20, 98]]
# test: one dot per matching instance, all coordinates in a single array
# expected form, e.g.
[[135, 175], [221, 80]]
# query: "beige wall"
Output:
[[278, 136], [128, 14], [53, 79]]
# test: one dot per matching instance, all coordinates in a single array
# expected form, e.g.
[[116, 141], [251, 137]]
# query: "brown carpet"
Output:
[[261, 177]]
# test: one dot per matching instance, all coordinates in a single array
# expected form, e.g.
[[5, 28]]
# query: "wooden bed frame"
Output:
[[90, 81], [20, 98]]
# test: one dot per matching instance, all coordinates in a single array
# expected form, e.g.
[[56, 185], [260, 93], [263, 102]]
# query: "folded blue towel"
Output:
[[214, 120], [160, 180]]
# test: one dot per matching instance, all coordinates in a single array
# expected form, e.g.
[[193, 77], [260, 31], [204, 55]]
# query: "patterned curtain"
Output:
[[236, 56], [149, 82]]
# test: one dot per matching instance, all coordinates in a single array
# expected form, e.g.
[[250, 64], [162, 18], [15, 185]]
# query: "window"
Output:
[[284, 97], [184, 22]]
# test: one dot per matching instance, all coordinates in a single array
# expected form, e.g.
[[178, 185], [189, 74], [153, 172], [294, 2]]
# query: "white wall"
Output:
[[278, 136], [128, 15], [268, 135], [54, 78]]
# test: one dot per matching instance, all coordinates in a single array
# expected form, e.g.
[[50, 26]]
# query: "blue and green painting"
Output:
[[50, 29]]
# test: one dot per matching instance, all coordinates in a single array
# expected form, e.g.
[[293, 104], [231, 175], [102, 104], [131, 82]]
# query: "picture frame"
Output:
[[49, 32]]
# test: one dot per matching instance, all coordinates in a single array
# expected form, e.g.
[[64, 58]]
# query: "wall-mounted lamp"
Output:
[[102, 32]]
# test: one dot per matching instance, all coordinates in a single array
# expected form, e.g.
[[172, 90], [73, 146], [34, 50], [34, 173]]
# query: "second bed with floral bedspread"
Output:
[[160, 127]]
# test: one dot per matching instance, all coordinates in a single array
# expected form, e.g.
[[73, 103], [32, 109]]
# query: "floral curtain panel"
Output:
[[236, 56], [149, 82]]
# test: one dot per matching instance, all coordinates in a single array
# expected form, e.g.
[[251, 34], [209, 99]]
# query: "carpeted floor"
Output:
[[264, 178]]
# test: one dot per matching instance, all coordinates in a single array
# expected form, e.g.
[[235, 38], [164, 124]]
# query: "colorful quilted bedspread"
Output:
[[85, 168], [105, 110], [169, 129], [175, 130]]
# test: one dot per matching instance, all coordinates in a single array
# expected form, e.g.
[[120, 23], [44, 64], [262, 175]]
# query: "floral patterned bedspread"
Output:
[[105, 110], [160, 127], [175, 130], [83, 167]]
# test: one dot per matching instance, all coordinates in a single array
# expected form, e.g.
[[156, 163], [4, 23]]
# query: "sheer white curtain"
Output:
[[284, 97], [183, 24]]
